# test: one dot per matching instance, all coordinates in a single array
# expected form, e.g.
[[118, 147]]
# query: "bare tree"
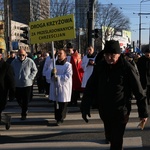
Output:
[[111, 18], [61, 7]]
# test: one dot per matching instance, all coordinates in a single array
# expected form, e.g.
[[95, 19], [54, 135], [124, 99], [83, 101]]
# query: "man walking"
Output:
[[61, 86], [12, 57], [143, 65], [7, 83], [110, 85], [25, 71]]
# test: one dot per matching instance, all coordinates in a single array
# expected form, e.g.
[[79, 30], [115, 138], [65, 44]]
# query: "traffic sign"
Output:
[[55, 29]]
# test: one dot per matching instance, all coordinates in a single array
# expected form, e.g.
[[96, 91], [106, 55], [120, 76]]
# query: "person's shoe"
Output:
[[70, 104], [41, 92], [23, 117], [7, 126], [59, 122], [10, 100], [46, 95], [107, 141]]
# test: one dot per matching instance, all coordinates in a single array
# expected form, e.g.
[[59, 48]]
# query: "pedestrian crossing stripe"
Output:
[[135, 142]]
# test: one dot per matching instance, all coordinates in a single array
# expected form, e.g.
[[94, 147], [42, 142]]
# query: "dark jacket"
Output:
[[7, 83], [143, 65], [110, 86], [9, 60], [39, 62]]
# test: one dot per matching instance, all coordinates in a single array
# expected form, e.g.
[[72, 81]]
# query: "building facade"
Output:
[[16, 36], [2, 40], [19, 13], [24, 11], [81, 9]]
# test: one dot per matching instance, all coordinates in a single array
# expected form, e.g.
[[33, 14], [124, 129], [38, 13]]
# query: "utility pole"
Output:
[[140, 21], [90, 16], [79, 42], [140, 27], [7, 25]]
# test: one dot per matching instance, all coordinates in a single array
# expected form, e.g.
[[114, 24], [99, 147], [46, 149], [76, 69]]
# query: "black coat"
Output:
[[143, 65], [9, 60], [110, 86], [7, 83]]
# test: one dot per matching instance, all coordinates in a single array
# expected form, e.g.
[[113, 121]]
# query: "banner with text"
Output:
[[55, 29]]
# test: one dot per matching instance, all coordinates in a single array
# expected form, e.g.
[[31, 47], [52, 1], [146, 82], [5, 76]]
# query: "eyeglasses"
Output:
[[22, 55]]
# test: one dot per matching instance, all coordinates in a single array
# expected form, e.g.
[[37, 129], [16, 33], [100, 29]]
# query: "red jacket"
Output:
[[77, 71]]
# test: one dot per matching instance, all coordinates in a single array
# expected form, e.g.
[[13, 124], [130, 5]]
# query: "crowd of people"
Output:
[[108, 80]]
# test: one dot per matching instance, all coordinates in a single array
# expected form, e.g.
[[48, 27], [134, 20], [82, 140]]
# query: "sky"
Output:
[[131, 8]]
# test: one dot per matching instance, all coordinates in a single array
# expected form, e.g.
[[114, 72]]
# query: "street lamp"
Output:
[[140, 22]]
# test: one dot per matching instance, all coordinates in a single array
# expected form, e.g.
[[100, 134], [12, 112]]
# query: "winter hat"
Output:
[[147, 50], [69, 45], [39, 52], [129, 55], [112, 47]]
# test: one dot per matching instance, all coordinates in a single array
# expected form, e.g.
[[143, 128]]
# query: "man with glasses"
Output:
[[25, 71], [110, 85]]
